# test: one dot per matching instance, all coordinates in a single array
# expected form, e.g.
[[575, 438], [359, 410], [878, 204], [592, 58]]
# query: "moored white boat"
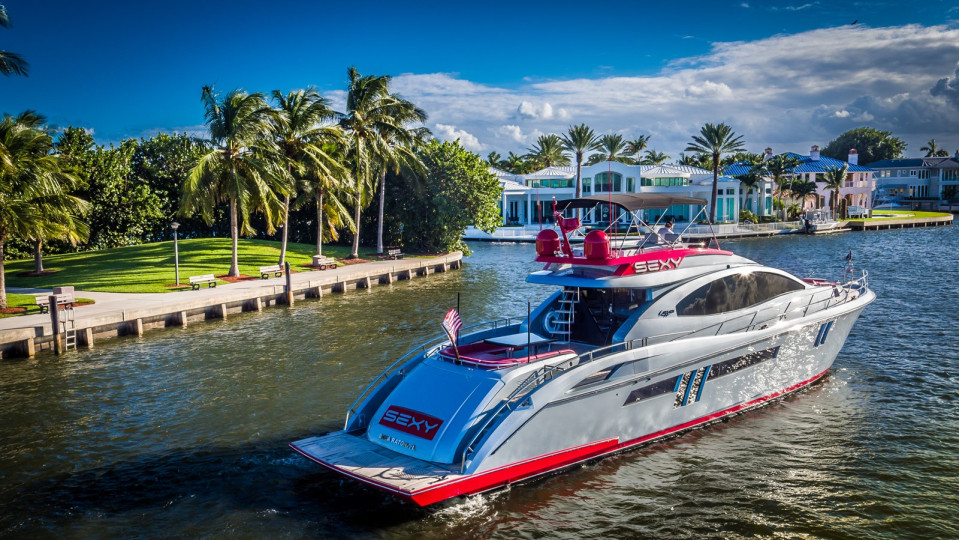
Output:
[[643, 339]]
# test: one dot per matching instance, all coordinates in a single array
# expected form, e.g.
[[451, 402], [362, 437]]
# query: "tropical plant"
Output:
[[375, 125], [780, 168], [753, 178], [871, 144], [331, 190], [932, 149], [124, 209], [11, 63], [834, 179], [699, 160], [494, 158], [548, 151], [637, 145], [802, 190], [611, 148], [579, 140], [35, 198], [716, 140], [457, 190], [242, 166], [652, 157], [299, 132], [516, 164], [402, 140]]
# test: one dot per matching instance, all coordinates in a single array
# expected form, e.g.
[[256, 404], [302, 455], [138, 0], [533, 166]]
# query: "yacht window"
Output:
[[735, 292]]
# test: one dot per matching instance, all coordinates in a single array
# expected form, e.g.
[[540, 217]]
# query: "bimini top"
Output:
[[630, 201]]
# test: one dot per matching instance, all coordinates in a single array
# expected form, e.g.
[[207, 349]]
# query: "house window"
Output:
[[586, 185], [912, 173], [603, 183], [630, 185]]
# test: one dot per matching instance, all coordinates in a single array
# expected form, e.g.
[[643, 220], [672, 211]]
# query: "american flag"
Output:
[[452, 324]]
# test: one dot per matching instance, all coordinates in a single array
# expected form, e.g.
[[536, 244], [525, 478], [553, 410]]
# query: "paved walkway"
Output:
[[129, 305]]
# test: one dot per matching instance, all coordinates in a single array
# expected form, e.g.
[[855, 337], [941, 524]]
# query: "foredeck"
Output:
[[363, 460]]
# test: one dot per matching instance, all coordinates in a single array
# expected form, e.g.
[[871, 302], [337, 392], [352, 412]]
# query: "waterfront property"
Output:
[[856, 189], [528, 198], [929, 182]]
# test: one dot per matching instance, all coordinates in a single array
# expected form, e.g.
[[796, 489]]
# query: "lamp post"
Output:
[[176, 251]]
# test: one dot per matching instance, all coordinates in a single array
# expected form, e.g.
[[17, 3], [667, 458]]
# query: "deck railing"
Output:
[[843, 293]]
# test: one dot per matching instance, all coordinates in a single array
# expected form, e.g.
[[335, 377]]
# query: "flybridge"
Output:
[[641, 248]]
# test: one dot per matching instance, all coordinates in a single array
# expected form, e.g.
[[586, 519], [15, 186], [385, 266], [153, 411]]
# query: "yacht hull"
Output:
[[563, 427]]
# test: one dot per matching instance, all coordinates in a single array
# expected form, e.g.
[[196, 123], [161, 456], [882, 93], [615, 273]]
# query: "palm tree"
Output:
[[932, 149], [753, 177], [803, 189], [699, 160], [715, 140], [578, 140], [34, 190], [781, 168], [401, 141], [494, 158], [331, 189], [241, 166], [653, 157], [636, 146], [548, 151], [11, 63], [515, 164], [834, 178], [299, 133], [611, 148]]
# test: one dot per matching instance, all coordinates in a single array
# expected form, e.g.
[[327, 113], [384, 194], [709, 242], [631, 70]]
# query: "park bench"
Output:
[[63, 300], [323, 263], [394, 253], [275, 269], [196, 281]]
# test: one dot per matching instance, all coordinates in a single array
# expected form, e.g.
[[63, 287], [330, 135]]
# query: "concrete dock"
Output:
[[119, 314]]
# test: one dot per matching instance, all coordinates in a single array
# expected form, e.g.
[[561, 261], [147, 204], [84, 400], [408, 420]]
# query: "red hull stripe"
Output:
[[546, 463]]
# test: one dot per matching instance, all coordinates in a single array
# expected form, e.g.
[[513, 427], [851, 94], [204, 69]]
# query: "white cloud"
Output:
[[709, 89], [513, 132], [785, 91], [533, 111], [450, 133]]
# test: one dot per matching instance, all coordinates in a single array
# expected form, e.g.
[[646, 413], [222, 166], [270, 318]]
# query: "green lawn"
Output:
[[904, 214], [149, 267], [29, 301]]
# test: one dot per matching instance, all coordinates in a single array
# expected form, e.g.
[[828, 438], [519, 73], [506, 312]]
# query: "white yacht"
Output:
[[646, 337]]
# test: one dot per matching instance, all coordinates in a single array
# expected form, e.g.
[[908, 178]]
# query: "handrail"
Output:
[[438, 341], [540, 375]]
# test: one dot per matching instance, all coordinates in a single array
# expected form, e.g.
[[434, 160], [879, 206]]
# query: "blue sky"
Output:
[[498, 74]]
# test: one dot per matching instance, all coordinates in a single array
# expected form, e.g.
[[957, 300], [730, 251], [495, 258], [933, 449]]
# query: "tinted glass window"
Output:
[[736, 292]]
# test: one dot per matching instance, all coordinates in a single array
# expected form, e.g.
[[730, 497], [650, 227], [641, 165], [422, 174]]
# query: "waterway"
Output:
[[184, 432]]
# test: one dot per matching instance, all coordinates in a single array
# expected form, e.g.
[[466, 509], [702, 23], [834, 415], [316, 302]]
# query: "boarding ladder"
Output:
[[68, 326], [567, 312]]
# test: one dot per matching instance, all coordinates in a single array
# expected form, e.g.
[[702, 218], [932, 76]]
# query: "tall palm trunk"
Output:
[[355, 254], [319, 223], [234, 235], [37, 256], [286, 228], [379, 226]]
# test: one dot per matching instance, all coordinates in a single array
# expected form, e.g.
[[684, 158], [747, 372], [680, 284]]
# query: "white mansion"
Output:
[[528, 198]]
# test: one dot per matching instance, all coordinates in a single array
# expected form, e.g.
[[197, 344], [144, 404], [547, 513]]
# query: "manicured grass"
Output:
[[150, 268], [904, 214], [29, 302]]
